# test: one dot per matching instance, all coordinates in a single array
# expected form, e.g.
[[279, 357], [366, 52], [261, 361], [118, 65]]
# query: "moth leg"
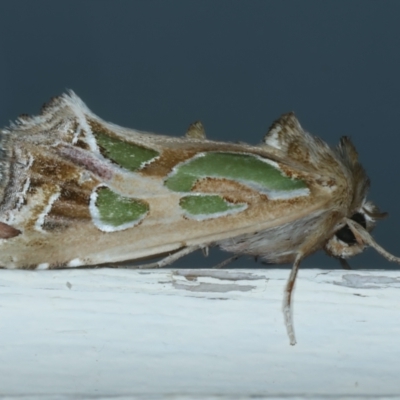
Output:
[[344, 263], [287, 300], [226, 262], [171, 258], [205, 251]]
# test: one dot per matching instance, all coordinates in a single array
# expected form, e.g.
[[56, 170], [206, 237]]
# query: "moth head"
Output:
[[345, 242], [352, 235]]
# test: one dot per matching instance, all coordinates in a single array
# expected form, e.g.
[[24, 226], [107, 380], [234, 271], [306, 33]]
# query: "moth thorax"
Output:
[[344, 244]]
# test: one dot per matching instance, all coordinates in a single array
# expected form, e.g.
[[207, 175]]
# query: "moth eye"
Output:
[[346, 235], [360, 219]]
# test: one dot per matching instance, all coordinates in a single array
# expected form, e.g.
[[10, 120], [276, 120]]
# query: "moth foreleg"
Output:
[[171, 258], [287, 300]]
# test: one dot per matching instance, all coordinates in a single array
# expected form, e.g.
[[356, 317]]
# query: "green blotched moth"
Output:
[[76, 190]]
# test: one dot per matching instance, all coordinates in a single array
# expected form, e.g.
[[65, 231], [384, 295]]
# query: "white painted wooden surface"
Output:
[[191, 334]]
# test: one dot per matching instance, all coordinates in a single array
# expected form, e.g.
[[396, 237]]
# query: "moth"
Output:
[[78, 191]]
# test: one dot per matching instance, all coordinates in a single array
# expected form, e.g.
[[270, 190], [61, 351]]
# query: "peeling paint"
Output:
[[193, 274], [368, 281], [213, 287]]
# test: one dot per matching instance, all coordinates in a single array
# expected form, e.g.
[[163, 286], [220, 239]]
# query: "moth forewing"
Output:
[[76, 190], [110, 194]]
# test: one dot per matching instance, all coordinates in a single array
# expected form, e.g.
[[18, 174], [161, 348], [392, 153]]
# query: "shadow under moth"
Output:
[[78, 191]]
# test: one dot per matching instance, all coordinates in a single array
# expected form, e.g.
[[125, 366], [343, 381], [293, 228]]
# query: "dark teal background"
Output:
[[236, 65]]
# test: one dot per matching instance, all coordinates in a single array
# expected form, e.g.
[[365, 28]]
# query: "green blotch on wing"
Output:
[[237, 167], [127, 155], [207, 205], [116, 210]]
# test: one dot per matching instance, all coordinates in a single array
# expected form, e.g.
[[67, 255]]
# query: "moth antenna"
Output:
[[287, 300], [363, 236]]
